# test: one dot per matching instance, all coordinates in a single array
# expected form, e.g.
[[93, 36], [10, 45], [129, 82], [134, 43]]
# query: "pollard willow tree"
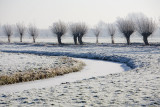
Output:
[[74, 31], [96, 32], [21, 30], [33, 31], [8, 31], [59, 28], [111, 28], [126, 27], [146, 26], [78, 30]]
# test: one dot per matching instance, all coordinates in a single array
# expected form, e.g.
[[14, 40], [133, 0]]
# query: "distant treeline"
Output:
[[140, 23]]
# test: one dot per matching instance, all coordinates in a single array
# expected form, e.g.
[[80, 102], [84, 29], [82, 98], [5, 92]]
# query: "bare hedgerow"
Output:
[[127, 27], [59, 28], [145, 27], [21, 30], [33, 31], [111, 28], [8, 31], [78, 30], [96, 32]]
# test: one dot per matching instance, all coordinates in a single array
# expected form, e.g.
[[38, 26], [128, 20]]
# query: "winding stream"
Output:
[[93, 68]]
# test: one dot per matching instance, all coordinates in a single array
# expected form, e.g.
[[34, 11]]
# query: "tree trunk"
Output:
[[80, 40], [112, 39], [96, 39], [34, 40], [21, 38], [59, 40], [9, 39], [75, 40], [145, 39], [128, 40]]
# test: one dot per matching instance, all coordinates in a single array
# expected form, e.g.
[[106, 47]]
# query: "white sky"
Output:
[[43, 13]]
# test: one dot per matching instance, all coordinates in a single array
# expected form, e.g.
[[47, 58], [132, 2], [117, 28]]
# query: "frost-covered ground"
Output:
[[102, 39], [12, 63], [137, 87]]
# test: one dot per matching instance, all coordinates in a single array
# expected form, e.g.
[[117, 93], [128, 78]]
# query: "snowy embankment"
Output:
[[137, 87], [12, 63], [15, 68], [89, 71]]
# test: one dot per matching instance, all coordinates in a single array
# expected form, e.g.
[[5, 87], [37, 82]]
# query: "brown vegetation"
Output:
[[40, 73]]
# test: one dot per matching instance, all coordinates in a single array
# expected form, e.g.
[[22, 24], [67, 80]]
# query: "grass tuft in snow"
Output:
[[40, 74]]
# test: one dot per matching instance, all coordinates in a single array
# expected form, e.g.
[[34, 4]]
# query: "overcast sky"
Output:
[[43, 13]]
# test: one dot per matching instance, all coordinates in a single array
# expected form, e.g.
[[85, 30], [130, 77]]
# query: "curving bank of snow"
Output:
[[93, 68], [137, 87]]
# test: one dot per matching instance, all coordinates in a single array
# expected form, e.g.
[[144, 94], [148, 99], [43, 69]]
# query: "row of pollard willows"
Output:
[[32, 31], [127, 26], [78, 30], [144, 25]]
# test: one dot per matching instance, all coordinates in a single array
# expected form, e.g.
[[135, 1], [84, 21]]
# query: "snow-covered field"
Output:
[[69, 40], [137, 87]]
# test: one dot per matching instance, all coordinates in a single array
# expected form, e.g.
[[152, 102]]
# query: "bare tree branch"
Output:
[[74, 31], [33, 31], [111, 28], [8, 31], [145, 27], [59, 28], [96, 32], [127, 27], [78, 31], [21, 30]]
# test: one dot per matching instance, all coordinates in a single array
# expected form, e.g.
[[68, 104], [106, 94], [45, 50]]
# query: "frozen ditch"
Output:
[[93, 68]]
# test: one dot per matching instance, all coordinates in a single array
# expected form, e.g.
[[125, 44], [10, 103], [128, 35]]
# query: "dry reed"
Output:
[[32, 75]]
